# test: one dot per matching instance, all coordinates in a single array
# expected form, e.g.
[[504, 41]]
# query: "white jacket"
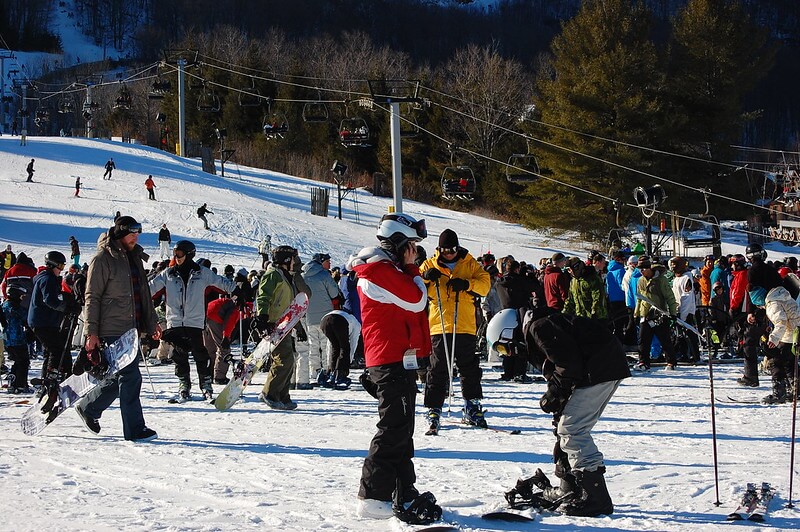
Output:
[[354, 329], [186, 305], [783, 313]]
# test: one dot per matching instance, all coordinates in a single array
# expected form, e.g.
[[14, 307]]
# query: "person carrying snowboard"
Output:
[[276, 291], [117, 300]]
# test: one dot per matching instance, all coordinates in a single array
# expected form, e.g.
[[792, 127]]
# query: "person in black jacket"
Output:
[[164, 241], [46, 313], [584, 364]]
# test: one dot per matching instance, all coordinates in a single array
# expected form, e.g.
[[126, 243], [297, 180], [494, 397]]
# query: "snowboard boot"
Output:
[[473, 413], [537, 491], [184, 389], [778, 395], [592, 498], [206, 386], [434, 421]]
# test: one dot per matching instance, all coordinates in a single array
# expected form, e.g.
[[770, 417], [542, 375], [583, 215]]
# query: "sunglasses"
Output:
[[448, 251]]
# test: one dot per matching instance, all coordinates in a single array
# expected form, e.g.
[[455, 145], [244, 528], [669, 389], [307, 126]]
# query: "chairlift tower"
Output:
[[393, 93], [181, 59]]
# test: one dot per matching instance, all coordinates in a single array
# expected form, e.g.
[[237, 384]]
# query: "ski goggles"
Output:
[[178, 254], [126, 229], [448, 251]]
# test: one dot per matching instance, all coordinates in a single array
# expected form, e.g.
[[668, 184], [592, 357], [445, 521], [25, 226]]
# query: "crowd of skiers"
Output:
[[406, 318]]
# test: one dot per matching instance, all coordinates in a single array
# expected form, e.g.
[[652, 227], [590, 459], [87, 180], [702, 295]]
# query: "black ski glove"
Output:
[[554, 399], [263, 325], [432, 275], [458, 285], [225, 343]]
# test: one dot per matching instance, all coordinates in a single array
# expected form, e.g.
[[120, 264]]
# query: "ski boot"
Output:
[[184, 390], [592, 497], [434, 421], [778, 395], [473, 413], [747, 381]]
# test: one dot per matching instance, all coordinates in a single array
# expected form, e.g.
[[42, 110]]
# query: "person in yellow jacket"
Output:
[[460, 278]]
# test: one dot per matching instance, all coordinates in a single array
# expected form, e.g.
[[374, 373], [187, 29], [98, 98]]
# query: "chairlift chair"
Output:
[[409, 128], [701, 231], [250, 96], [159, 89], [208, 101], [354, 132], [522, 168], [458, 183], [315, 112], [124, 100], [66, 105], [275, 125]]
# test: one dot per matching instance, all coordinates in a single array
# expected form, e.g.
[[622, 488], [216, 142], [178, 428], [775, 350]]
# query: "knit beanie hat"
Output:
[[448, 239]]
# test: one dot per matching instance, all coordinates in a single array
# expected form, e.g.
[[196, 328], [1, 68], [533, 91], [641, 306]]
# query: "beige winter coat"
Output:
[[783, 313]]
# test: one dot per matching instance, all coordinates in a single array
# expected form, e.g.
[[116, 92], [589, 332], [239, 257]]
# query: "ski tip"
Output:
[[507, 516]]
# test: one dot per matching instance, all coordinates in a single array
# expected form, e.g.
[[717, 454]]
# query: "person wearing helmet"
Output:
[[313, 357], [683, 290], [784, 315], [654, 285], [184, 286], [460, 279], [395, 332], [117, 300], [45, 316], [280, 284], [584, 364]]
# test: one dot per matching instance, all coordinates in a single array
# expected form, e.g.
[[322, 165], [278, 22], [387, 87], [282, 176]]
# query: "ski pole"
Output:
[[147, 368], [794, 424], [714, 430], [453, 355], [444, 335]]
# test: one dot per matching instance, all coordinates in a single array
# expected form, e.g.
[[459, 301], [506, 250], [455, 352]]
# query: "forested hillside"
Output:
[[579, 85]]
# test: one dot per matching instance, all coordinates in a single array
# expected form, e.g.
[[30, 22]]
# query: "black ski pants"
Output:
[[437, 383], [57, 355], [22, 363], [515, 364], [752, 345], [618, 316], [392, 447], [659, 329], [187, 340], [631, 334], [781, 359], [337, 329]]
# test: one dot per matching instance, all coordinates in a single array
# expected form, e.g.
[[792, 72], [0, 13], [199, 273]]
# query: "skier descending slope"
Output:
[[395, 332], [584, 364]]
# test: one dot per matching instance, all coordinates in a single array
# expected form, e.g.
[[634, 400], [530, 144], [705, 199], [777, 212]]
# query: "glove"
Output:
[[553, 400], [263, 325], [432, 275], [300, 333], [458, 285], [225, 343]]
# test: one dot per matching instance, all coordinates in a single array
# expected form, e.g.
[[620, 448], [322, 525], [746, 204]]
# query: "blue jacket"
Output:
[[15, 324], [630, 297], [616, 272], [719, 275], [47, 307]]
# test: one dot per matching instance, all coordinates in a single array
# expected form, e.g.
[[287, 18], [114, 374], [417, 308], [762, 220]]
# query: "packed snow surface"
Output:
[[255, 469]]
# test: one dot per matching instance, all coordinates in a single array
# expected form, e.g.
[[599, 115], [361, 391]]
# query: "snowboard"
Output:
[[119, 355], [243, 371]]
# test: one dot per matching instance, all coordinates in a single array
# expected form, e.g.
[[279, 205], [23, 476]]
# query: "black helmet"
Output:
[[229, 269], [755, 251], [283, 254], [55, 259], [187, 247]]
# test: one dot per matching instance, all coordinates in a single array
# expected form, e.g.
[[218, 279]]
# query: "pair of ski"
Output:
[[755, 503]]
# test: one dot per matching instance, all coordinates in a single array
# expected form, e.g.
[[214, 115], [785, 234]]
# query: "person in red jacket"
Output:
[[395, 332], [556, 282], [222, 316], [150, 185]]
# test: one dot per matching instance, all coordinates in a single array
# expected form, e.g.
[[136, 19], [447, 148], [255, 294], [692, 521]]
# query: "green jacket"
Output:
[[587, 297], [276, 292], [659, 291]]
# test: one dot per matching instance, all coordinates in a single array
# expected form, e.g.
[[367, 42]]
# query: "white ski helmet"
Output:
[[501, 329], [399, 228]]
